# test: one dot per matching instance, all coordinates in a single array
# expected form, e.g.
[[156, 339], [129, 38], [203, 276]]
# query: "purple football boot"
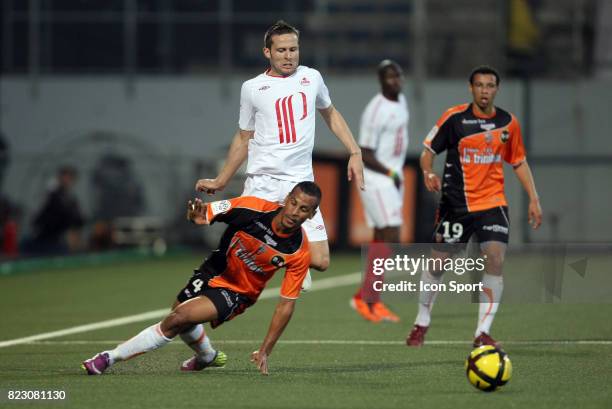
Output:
[[97, 365]]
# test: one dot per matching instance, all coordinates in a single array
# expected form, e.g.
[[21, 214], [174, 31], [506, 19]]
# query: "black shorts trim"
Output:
[[227, 302]]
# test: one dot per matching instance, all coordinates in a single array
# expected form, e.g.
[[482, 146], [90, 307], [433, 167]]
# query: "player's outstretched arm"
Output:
[[431, 180], [280, 319], [336, 123], [235, 157], [524, 175]]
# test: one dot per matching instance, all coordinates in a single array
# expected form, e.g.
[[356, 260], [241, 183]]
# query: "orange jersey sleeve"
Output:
[[295, 272], [223, 210], [437, 140], [515, 151]]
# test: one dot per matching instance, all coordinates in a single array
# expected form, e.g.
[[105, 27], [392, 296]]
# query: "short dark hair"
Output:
[[310, 188], [278, 28], [384, 65], [485, 69]]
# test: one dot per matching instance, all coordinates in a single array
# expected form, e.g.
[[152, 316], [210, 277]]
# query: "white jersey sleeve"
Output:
[[323, 100], [246, 121], [369, 130]]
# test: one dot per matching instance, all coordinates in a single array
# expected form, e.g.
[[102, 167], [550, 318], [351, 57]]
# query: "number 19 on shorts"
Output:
[[452, 230]]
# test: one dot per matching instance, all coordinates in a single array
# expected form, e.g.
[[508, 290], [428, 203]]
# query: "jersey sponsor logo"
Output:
[[304, 82], [277, 261], [270, 241], [228, 299], [496, 228], [265, 87], [285, 118], [246, 256], [505, 135], [432, 133], [264, 228], [221, 206], [474, 156], [465, 121]]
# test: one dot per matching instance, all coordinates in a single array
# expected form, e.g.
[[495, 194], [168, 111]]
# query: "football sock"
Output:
[[366, 292], [197, 340], [307, 283], [427, 299], [147, 340], [493, 286]]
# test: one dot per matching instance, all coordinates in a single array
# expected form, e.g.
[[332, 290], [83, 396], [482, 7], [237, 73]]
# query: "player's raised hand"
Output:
[[535, 214], [196, 211], [209, 186], [260, 358], [355, 170], [432, 181]]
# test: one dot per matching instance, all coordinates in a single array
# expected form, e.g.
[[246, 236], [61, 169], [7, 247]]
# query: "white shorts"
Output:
[[381, 200], [276, 190]]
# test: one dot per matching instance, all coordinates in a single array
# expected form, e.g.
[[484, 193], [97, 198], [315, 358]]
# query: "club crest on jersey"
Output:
[[505, 135], [278, 261], [304, 82]]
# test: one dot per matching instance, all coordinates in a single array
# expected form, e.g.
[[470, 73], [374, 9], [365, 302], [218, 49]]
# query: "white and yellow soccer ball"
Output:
[[488, 368]]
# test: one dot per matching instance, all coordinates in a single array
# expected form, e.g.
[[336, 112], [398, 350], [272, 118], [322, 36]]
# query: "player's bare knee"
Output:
[[175, 323], [321, 264], [494, 264]]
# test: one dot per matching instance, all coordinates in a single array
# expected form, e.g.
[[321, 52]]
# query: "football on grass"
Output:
[[488, 368]]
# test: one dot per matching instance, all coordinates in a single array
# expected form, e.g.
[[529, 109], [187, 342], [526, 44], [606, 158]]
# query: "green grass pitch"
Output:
[[327, 358]]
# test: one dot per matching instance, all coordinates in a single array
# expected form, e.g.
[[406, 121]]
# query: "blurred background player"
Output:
[[261, 238], [477, 137], [56, 228], [383, 138], [277, 132]]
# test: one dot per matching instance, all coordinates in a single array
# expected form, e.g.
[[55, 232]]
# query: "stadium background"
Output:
[[143, 96]]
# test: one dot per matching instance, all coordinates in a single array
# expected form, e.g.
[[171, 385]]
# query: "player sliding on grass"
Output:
[[261, 238], [478, 137]]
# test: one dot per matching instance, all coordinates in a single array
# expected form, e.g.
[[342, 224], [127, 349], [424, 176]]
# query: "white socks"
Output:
[[426, 299], [147, 340], [197, 340], [307, 283], [493, 286]]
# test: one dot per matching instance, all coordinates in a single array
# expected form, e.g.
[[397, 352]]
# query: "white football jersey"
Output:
[[281, 111], [384, 129]]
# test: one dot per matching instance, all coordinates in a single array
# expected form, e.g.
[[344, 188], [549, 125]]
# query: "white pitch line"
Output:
[[342, 342], [321, 284]]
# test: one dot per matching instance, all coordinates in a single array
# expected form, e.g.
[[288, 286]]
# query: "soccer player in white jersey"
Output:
[[383, 139], [277, 131]]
